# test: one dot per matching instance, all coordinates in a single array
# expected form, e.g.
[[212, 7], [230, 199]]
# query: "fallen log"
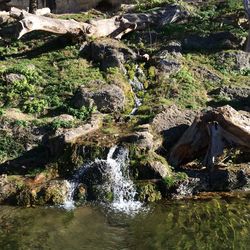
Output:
[[210, 134], [114, 27]]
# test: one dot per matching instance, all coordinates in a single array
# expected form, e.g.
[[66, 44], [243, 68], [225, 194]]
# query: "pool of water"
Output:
[[202, 224]]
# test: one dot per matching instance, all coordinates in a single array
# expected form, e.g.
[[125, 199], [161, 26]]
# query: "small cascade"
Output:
[[69, 199], [123, 188], [136, 86], [115, 173]]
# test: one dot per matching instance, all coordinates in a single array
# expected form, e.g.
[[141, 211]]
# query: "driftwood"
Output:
[[247, 10], [210, 134], [114, 27]]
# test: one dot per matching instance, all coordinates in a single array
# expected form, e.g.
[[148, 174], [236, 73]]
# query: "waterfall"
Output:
[[114, 171], [69, 199], [123, 188]]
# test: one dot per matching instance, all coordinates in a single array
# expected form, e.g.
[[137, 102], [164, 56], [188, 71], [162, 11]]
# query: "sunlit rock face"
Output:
[[63, 6]]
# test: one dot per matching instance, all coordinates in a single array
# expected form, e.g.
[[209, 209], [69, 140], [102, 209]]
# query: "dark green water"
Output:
[[211, 224]]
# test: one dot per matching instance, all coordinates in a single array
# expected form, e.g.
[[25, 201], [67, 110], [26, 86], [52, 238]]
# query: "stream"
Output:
[[202, 224]]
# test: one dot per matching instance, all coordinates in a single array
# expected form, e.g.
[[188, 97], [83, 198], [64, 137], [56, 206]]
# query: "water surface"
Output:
[[211, 224]]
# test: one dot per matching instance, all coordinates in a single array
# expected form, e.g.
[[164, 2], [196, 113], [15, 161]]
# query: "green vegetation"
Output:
[[174, 179], [47, 81], [9, 147], [148, 192]]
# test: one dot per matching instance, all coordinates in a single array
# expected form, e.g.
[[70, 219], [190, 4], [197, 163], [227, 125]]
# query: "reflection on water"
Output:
[[213, 224]]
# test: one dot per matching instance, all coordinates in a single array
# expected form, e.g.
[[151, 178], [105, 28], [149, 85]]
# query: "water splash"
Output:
[[69, 203], [116, 170], [124, 191]]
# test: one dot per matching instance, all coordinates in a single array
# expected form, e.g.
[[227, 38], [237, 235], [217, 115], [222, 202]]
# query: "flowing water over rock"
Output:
[[109, 177]]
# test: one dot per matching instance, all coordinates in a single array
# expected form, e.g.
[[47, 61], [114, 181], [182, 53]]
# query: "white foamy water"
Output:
[[69, 203], [124, 191], [122, 187]]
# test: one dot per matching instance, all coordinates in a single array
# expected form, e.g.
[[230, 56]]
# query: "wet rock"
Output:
[[55, 192], [13, 77], [8, 189], [136, 84], [234, 60], [220, 179], [96, 178], [186, 188], [107, 99], [168, 63], [109, 53], [172, 122], [220, 40]]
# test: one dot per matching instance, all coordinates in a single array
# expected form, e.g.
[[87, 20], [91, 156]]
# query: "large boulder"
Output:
[[234, 60], [107, 99], [109, 53], [172, 122], [167, 62], [230, 178], [220, 40], [238, 97]]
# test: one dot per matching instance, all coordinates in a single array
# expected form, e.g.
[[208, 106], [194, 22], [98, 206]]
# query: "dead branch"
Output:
[[210, 134], [114, 27]]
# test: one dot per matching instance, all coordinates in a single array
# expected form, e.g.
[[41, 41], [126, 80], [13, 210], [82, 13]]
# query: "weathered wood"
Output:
[[114, 27], [210, 134]]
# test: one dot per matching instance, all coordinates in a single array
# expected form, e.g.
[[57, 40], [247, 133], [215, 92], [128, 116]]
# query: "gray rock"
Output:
[[83, 98], [110, 98], [206, 74], [232, 93], [234, 60], [109, 53], [159, 168], [230, 178], [172, 122], [64, 117], [144, 140], [13, 77], [56, 143], [168, 63], [107, 99], [220, 40]]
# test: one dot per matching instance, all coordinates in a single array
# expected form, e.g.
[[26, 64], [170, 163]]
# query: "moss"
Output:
[[50, 79], [115, 76], [10, 148], [148, 192], [175, 178]]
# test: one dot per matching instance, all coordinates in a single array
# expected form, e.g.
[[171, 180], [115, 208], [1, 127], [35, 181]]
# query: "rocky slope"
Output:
[[65, 102]]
